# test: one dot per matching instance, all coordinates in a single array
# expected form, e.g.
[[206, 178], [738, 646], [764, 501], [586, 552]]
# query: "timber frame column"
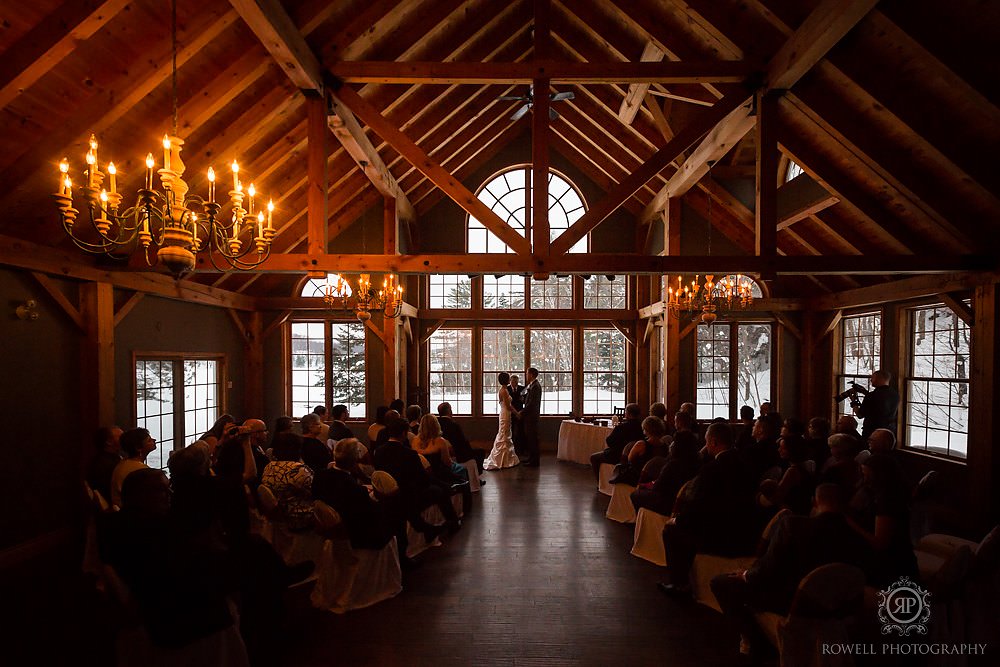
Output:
[[984, 409], [316, 160], [671, 325], [390, 325], [644, 380], [253, 377], [97, 356]]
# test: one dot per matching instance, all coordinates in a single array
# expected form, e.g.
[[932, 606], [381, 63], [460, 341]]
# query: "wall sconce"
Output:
[[27, 310]]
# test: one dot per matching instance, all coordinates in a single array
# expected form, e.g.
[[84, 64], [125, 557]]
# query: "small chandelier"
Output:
[[337, 293], [734, 292], [178, 224]]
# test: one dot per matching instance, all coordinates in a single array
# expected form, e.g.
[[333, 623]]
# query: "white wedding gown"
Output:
[[503, 455]]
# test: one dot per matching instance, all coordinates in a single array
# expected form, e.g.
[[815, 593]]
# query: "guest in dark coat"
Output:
[[629, 430], [762, 454], [682, 465], [717, 514], [366, 523], [315, 453], [451, 430], [339, 429], [108, 455], [798, 545]]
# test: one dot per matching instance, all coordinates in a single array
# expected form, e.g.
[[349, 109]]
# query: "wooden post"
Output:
[[807, 392], [984, 405], [641, 353], [316, 172], [767, 176], [97, 357], [390, 365], [253, 367], [672, 328]]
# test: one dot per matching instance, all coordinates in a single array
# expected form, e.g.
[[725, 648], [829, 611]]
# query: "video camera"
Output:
[[852, 394]]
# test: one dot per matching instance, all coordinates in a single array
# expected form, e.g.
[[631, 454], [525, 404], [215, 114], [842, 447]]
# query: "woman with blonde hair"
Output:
[[437, 451]]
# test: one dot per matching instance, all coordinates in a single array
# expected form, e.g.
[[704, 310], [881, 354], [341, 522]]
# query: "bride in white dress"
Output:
[[503, 455]]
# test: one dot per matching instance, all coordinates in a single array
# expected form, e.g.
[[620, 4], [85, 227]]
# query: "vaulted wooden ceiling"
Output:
[[896, 125]]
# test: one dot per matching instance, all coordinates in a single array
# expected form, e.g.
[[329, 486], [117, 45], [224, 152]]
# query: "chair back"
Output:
[[926, 486], [327, 518], [267, 501], [831, 590], [96, 500], [619, 412], [384, 483]]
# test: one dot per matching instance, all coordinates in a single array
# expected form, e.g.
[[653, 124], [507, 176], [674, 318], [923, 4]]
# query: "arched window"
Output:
[[508, 194], [755, 290], [317, 286]]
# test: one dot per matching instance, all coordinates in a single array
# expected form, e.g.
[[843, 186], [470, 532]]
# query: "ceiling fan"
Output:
[[529, 101]]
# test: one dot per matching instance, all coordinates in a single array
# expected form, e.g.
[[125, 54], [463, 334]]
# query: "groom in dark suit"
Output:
[[529, 417]]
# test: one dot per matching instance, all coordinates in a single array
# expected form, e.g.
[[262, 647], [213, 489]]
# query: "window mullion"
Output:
[[179, 407]]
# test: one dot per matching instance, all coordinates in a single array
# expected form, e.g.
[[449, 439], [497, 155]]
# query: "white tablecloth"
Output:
[[577, 441]]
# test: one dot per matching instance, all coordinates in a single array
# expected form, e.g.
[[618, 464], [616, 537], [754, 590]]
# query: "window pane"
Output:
[[713, 377], [451, 369], [601, 293], [200, 397], [503, 350], [552, 355], [450, 292], [604, 379], [308, 366], [753, 353], [554, 293], [347, 367], [503, 292], [937, 387]]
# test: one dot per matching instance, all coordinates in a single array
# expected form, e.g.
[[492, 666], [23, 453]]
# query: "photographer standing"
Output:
[[878, 409]]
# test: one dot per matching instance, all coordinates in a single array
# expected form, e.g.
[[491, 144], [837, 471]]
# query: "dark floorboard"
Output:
[[536, 576]]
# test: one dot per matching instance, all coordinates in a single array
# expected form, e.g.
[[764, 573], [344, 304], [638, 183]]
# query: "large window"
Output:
[[503, 292], [328, 366], [177, 399], [860, 352], [733, 368], [603, 371], [450, 292], [503, 350], [551, 294], [604, 292], [552, 354], [508, 194], [937, 383], [451, 369]]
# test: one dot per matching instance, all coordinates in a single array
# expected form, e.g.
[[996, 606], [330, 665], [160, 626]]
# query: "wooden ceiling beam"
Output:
[[916, 287], [650, 168], [45, 45], [801, 198], [595, 263], [432, 169], [540, 133], [636, 94], [825, 26], [524, 73], [282, 39]]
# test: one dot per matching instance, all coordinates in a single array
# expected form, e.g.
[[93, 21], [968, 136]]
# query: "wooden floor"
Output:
[[536, 576]]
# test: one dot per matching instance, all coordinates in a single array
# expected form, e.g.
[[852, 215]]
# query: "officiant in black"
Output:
[[516, 393]]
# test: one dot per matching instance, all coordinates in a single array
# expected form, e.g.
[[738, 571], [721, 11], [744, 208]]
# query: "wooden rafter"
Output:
[[637, 91], [282, 39], [801, 198], [540, 242], [558, 72], [959, 307], [432, 169]]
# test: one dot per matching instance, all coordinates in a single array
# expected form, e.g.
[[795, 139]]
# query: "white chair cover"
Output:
[[648, 540], [474, 484], [355, 578], [620, 508], [606, 472]]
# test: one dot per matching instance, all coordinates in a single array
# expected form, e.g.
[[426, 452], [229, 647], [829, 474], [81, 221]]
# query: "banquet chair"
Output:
[[606, 472], [348, 578], [620, 508], [647, 541], [293, 546]]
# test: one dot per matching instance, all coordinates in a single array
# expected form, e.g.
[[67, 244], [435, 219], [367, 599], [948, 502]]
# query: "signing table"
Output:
[[577, 441]]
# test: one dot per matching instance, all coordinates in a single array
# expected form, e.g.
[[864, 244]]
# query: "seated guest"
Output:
[[315, 453], [717, 514], [795, 490], [841, 468], [437, 451], [653, 443], [452, 432], [793, 426], [338, 488], [187, 599], [417, 490], [762, 454], [136, 444], [689, 408], [339, 429], [745, 438], [798, 545], [882, 441], [765, 408], [413, 414], [203, 504], [236, 457], [324, 429], [216, 434], [107, 456], [682, 465], [383, 435], [291, 481], [880, 512], [629, 430], [848, 425], [817, 434], [377, 425], [257, 430], [658, 410], [281, 425]]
